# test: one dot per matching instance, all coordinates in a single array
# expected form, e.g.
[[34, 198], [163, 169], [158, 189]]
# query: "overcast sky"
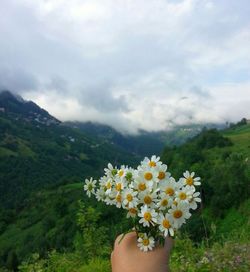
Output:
[[135, 64]]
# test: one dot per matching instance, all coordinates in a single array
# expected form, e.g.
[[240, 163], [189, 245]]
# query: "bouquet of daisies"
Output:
[[158, 204]]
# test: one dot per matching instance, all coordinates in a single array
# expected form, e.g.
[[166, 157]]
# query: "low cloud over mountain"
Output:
[[130, 64]]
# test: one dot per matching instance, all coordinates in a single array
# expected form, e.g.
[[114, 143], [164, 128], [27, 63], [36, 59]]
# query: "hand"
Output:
[[127, 257]]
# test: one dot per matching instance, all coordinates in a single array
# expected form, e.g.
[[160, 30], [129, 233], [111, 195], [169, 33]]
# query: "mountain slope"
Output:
[[17, 107], [222, 160], [144, 143], [36, 154]]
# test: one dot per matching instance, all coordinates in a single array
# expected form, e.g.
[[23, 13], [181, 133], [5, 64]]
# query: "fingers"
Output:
[[169, 243], [125, 240], [127, 255], [129, 240]]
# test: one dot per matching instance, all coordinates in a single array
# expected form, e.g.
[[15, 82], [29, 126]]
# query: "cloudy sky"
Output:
[[132, 64]]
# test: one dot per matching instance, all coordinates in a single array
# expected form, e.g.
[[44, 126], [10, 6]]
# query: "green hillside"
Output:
[[49, 221], [53, 219], [39, 166], [35, 156], [221, 159], [240, 136]]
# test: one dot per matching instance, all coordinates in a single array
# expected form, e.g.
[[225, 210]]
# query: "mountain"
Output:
[[37, 151], [144, 143], [15, 106]]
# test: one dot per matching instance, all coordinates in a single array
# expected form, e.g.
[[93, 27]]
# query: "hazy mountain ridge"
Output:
[[15, 106], [144, 143], [37, 154]]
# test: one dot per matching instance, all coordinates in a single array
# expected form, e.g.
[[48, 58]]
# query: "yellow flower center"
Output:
[[90, 187], [108, 185], [175, 202], [142, 186], [166, 224], [169, 191], [145, 242], [161, 175], [118, 186], [152, 164], [120, 173], [147, 216], [118, 198], [148, 176], [147, 200], [133, 211], [182, 196], [189, 181], [164, 202], [129, 197], [177, 214]]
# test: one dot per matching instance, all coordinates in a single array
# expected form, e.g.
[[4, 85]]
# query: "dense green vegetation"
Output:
[[33, 156], [39, 164], [56, 232], [229, 255], [48, 224]]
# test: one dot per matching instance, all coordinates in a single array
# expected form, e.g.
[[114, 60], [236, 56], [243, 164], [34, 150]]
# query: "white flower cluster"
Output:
[[158, 203]]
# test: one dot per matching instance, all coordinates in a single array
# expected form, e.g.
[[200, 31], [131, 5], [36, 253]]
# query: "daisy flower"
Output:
[[89, 186], [140, 185], [165, 201], [122, 171], [118, 200], [162, 172], [169, 186], [109, 201], [190, 180], [100, 194], [184, 195], [165, 225], [193, 201], [179, 213], [148, 198], [107, 184], [153, 162], [147, 216], [129, 198], [129, 174], [148, 175], [132, 212], [146, 243], [119, 185], [110, 171]]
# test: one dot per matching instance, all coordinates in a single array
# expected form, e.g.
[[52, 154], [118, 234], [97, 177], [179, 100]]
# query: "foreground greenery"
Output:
[[230, 256], [55, 232], [213, 254]]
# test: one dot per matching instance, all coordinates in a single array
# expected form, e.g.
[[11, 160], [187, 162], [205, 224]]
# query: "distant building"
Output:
[[248, 121]]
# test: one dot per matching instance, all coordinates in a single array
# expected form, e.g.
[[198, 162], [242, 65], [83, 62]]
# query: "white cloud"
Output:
[[131, 64]]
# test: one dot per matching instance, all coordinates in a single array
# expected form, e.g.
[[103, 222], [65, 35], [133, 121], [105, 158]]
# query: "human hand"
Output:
[[127, 257]]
